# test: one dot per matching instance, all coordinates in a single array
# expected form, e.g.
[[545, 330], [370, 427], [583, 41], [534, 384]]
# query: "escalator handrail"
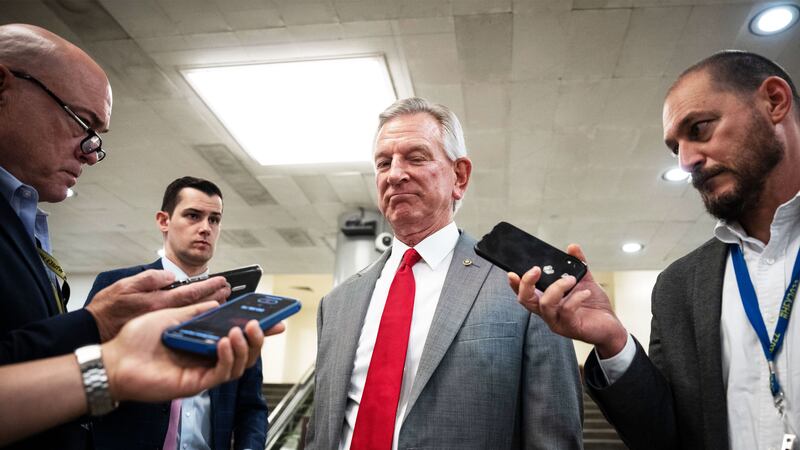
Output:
[[282, 415]]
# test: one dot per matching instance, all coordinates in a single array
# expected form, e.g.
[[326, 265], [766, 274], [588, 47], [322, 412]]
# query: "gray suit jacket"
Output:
[[675, 399], [491, 375]]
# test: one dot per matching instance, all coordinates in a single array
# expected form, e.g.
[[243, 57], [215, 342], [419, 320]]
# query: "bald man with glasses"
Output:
[[54, 100]]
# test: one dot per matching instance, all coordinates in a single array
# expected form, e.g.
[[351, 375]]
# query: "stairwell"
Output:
[[598, 434]]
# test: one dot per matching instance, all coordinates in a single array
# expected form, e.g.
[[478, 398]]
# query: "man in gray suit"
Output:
[[433, 351], [733, 120]]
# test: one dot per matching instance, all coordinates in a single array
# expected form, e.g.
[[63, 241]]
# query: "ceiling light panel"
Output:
[[299, 112]]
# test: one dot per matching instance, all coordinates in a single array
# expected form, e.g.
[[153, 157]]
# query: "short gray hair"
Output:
[[449, 125]]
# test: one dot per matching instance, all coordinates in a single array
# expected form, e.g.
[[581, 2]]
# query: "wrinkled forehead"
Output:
[[693, 90]]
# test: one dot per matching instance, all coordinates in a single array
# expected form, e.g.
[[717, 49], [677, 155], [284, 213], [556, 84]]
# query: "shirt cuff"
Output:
[[613, 368]]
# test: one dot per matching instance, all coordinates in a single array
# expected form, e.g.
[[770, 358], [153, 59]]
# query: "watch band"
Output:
[[95, 380]]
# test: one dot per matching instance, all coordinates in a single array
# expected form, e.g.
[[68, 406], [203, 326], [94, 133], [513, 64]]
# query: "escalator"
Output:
[[289, 419]]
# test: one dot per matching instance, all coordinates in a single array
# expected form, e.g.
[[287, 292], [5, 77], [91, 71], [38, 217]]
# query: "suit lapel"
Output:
[[461, 287], [355, 296], [20, 240], [707, 311]]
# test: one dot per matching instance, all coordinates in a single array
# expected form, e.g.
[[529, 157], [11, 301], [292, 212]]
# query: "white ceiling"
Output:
[[560, 100]]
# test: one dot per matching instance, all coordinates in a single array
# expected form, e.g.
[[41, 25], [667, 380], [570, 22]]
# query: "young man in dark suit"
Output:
[[189, 220]]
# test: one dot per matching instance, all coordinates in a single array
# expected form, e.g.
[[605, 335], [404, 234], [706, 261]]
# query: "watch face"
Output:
[[95, 380], [89, 354]]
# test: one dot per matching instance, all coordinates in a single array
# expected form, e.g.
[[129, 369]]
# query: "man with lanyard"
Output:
[[722, 369], [190, 223]]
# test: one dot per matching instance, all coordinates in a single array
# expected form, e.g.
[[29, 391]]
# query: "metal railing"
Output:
[[283, 417]]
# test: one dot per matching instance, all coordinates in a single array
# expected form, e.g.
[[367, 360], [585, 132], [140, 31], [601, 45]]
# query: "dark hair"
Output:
[[741, 72], [173, 191]]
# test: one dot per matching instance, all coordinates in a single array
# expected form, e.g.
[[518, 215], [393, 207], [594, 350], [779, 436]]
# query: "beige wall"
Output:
[[287, 356]]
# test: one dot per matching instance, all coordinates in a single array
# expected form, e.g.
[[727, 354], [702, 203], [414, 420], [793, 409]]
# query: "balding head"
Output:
[[39, 140]]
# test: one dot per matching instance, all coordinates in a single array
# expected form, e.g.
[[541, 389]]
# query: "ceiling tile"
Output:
[[470, 7], [708, 29], [284, 189], [317, 188], [595, 43], [533, 104], [431, 58], [484, 46], [650, 40], [487, 150], [299, 13], [486, 105], [540, 44], [581, 103], [349, 187]]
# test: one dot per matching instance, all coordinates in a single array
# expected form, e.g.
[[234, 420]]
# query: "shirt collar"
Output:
[[433, 249], [10, 186], [786, 215], [180, 275]]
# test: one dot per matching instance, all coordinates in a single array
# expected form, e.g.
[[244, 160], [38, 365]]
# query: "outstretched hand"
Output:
[[141, 368], [584, 314], [131, 297]]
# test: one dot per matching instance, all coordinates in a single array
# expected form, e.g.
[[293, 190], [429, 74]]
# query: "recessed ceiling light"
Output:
[[675, 174], [632, 247], [70, 192], [299, 112], [774, 19]]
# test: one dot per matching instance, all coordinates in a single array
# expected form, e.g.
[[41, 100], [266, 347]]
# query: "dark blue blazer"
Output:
[[238, 410], [30, 326]]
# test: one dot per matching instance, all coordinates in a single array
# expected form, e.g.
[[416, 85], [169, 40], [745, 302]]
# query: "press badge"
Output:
[[788, 441]]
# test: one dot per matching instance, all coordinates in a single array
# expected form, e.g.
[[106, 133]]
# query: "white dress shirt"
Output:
[[195, 422], [437, 252], [753, 420]]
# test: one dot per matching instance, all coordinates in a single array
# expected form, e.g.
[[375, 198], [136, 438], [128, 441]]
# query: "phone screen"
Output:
[[236, 314]]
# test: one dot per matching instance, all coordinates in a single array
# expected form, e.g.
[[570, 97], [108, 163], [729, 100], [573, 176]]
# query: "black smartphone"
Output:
[[514, 250], [201, 334], [242, 280]]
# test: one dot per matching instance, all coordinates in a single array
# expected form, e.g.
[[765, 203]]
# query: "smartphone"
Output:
[[201, 334], [242, 280], [514, 250]]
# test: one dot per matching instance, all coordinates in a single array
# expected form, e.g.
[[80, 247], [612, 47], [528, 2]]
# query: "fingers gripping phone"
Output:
[[242, 280], [201, 334], [514, 250]]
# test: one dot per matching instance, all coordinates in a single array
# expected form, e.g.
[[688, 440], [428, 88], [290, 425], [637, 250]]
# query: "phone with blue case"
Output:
[[201, 334]]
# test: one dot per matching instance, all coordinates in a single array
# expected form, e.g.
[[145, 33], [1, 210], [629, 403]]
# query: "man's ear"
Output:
[[778, 95], [162, 220], [463, 169]]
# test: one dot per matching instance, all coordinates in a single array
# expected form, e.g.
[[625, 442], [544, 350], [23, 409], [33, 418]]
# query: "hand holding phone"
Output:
[[201, 334], [514, 250], [242, 280]]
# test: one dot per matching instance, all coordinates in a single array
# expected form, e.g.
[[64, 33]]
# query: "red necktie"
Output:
[[374, 428]]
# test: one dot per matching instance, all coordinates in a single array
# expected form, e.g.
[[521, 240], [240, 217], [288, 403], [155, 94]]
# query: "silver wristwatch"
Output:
[[95, 380]]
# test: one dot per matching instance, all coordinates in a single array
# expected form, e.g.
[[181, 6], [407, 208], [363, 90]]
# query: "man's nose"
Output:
[[689, 157], [87, 158], [397, 172]]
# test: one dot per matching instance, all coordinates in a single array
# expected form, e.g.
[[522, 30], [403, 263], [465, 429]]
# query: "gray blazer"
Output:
[[675, 399], [491, 375]]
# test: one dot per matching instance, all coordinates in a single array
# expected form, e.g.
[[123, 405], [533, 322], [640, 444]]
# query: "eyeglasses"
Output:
[[92, 142]]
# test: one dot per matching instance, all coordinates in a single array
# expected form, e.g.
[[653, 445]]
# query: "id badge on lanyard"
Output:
[[770, 347]]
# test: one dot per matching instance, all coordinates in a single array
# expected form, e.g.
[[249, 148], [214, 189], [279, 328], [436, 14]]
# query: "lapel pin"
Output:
[[467, 262]]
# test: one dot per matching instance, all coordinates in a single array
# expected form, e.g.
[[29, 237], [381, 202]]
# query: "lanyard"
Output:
[[61, 295], [750, 303]]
